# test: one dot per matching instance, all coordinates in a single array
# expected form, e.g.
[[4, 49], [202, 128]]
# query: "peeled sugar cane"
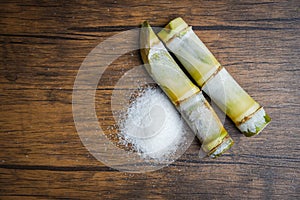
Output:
[[187, 97], [208, 73]]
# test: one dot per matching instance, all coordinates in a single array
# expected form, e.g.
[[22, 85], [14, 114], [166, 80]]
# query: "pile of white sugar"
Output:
[[153, 126]]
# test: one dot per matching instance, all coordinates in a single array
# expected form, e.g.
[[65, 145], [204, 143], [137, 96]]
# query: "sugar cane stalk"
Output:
[[187, 97], [200, 63]]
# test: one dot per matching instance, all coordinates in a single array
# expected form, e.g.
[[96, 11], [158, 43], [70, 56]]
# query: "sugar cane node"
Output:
[[249, 117], [214, 74], [185, 96]]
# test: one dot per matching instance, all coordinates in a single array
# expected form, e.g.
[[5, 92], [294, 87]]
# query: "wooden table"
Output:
[[42, 47]]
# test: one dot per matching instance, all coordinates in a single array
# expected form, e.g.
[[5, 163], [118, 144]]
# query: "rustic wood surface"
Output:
[[42, 45]]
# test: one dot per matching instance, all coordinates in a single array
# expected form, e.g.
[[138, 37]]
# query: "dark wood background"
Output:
[[42, 45]]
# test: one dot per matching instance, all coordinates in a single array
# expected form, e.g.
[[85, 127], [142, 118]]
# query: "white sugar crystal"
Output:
[[153, 126]]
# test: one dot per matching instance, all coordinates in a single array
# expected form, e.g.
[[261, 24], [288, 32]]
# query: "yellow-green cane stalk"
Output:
[[187, 97], [200, 63]]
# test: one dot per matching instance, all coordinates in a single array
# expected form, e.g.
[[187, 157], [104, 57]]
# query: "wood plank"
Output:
[[94, 16], [244, 53], [178, 181]]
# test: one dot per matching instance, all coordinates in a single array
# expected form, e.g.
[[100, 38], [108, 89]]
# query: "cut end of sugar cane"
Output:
[[197, 59], [226, 144], [187, 97], [171, 29], [255, 123], [200, 63], [217, 147]]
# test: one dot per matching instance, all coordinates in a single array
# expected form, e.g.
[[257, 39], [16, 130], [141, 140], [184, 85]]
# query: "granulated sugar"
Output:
[[153, 126]]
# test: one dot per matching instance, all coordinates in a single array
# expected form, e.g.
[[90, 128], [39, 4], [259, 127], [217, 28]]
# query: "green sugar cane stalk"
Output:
[[187, 97], [204, 68]]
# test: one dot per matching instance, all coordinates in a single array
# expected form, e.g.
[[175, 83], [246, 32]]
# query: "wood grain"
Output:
[[42, 45]]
